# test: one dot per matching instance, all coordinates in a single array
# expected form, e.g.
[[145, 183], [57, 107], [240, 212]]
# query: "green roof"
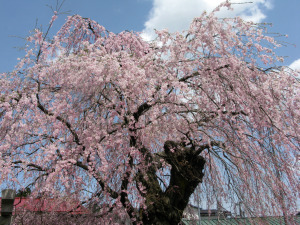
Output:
[[242, 221]]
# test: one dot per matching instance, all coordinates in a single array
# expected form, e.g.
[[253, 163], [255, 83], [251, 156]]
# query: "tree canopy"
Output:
[[136, 127]]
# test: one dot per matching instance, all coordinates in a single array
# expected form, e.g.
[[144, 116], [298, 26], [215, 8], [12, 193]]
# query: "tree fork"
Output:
[[186, 173]]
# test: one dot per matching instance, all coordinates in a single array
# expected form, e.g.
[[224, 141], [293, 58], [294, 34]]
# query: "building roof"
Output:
[[191, 212], [244, 221], [47, 205]]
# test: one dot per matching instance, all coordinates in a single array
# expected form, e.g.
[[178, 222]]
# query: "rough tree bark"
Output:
[[166, 207]]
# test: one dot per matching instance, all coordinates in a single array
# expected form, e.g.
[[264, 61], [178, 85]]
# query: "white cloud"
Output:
[[295, 65], [176, 15]]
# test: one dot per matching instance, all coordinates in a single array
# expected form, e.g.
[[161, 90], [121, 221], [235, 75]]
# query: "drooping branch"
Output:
[[64, 121], [197, 73], [37, 167], [103, 185]]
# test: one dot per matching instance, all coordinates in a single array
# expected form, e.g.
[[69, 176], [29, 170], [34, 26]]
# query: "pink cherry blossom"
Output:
[[134, 129]]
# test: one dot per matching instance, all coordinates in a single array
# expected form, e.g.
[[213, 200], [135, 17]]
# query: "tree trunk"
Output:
[[166, 207]]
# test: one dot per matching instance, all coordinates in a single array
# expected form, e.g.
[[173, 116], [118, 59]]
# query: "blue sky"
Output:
[[18, 17]]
